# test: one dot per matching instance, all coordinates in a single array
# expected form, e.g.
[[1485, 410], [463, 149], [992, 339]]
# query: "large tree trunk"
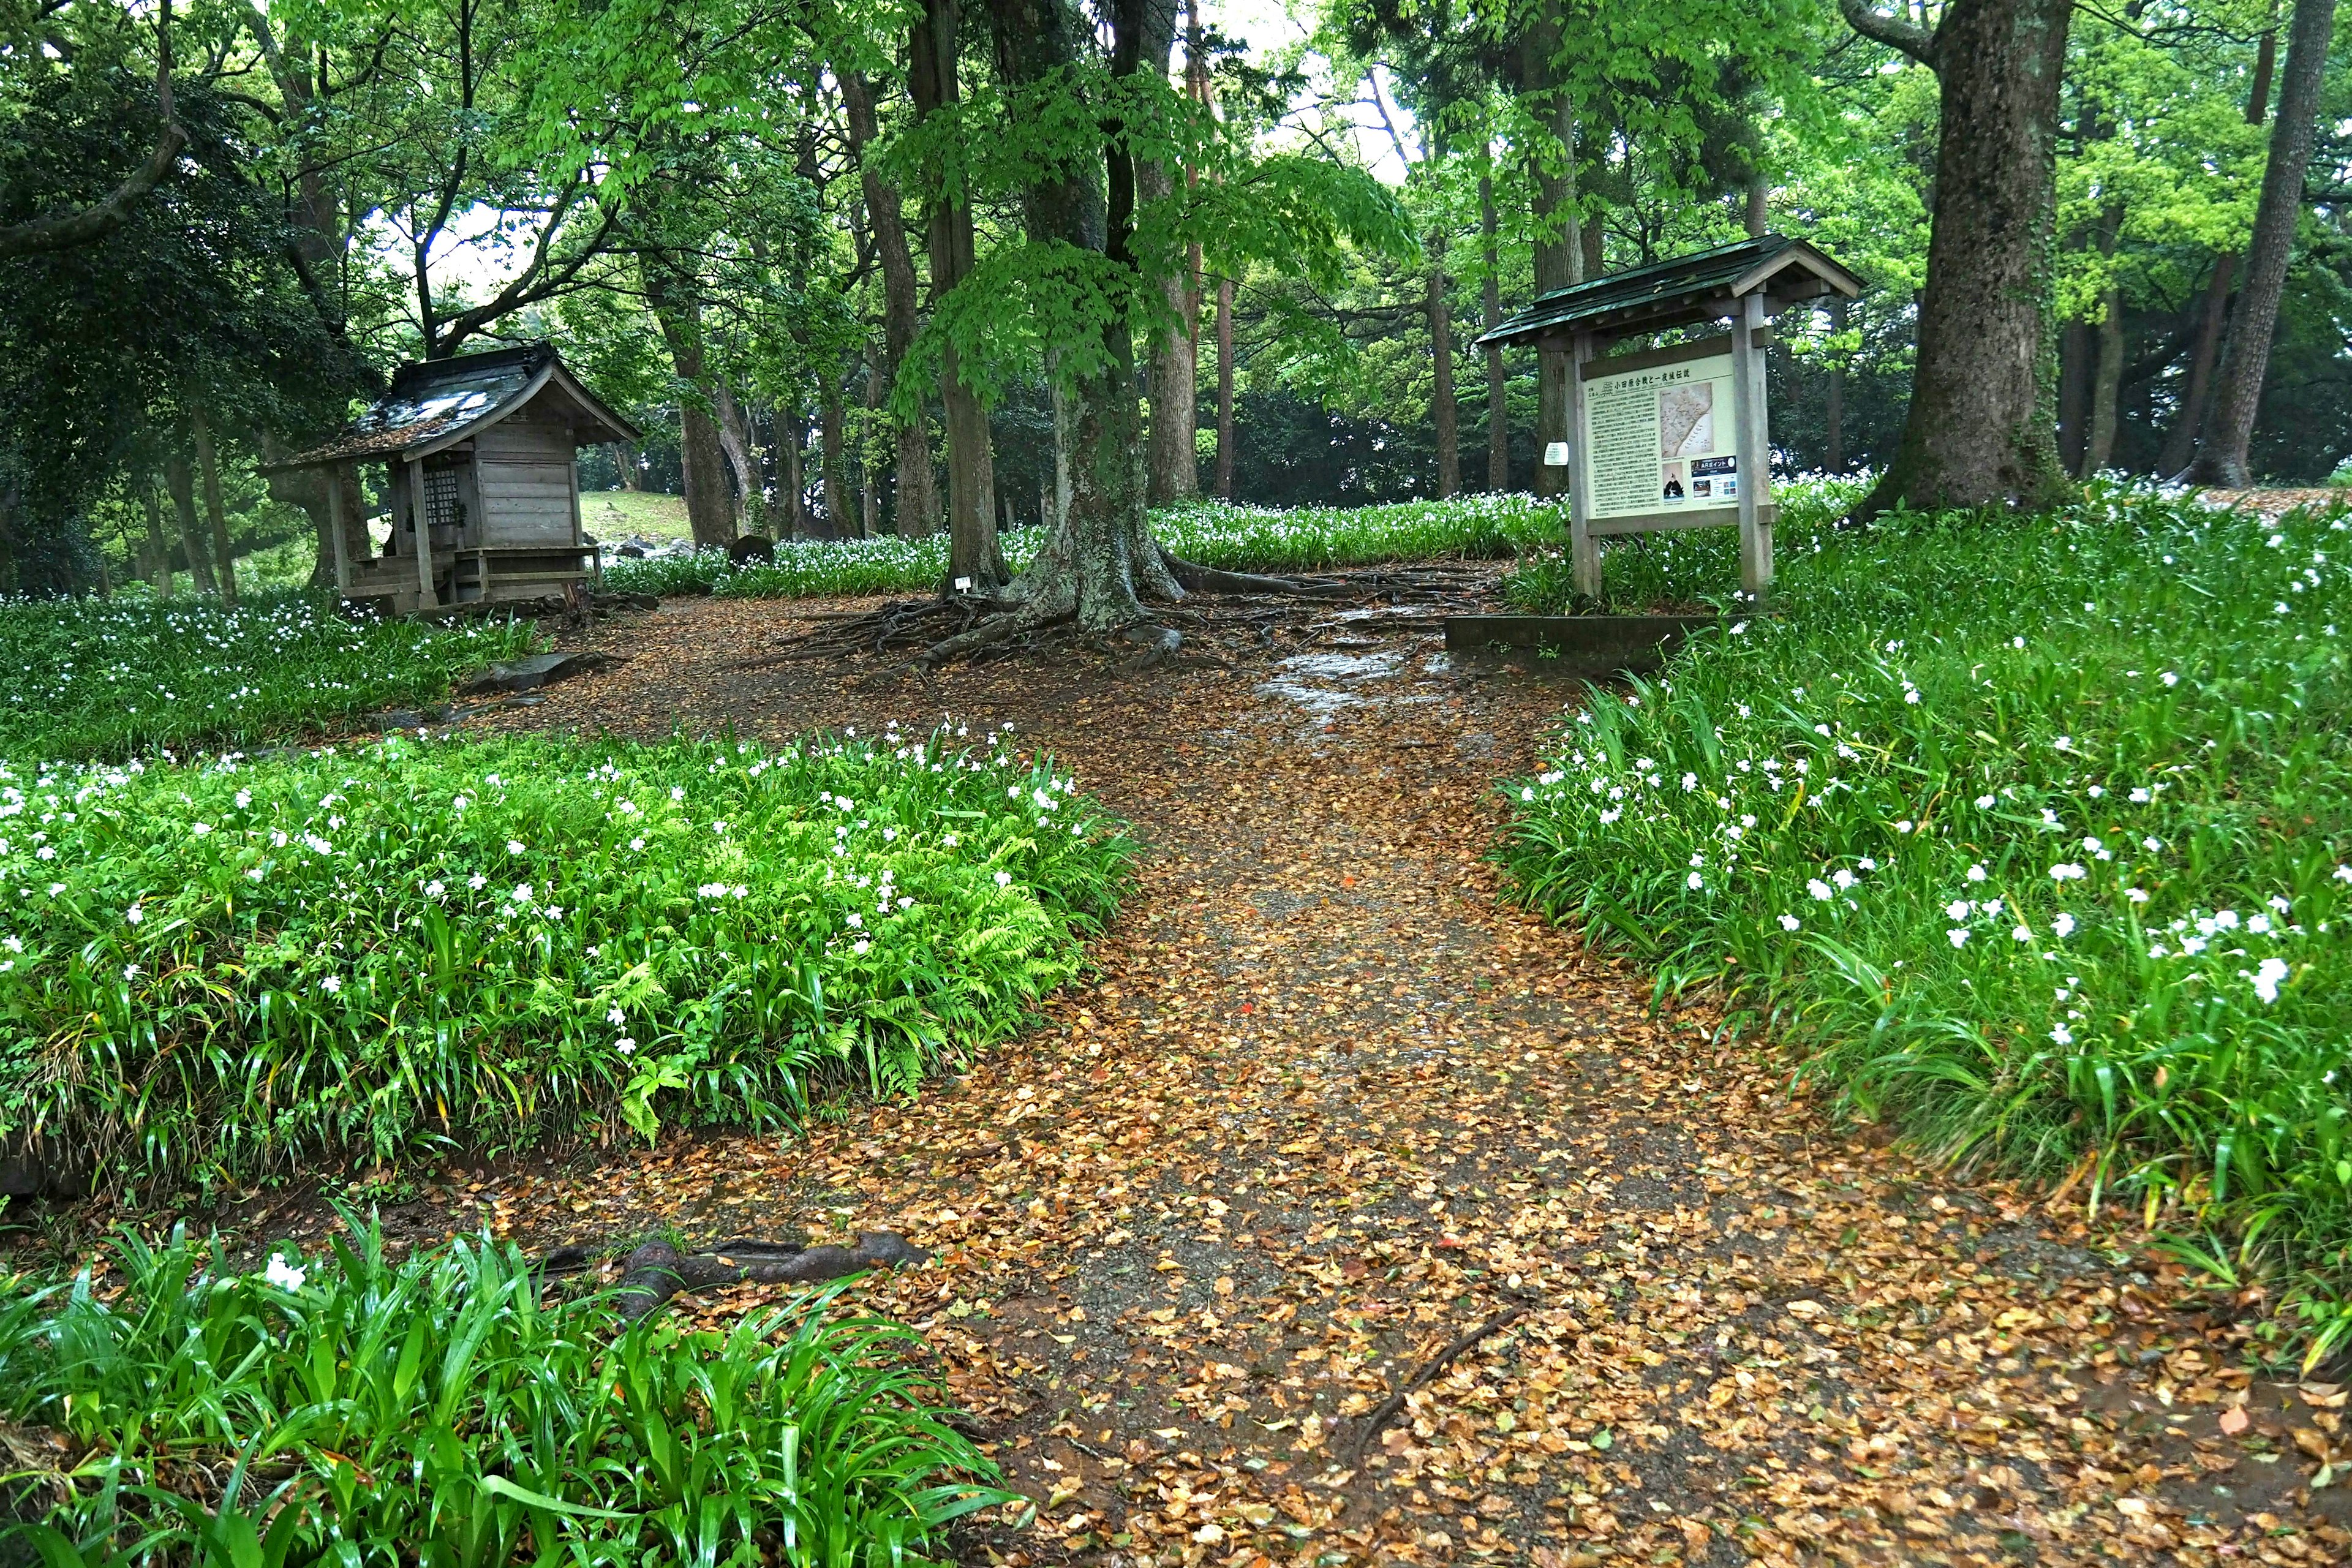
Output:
[[1173, 466], [918, 507], [159, 549], [1224, 389], [2197, 396], [869, 472], [1834, 416], [1498, 426], [1099, 561], [2107, 386], [834, 460], [180, 483], [973, 554], [709, 514], [743, 456], [1559, 240], [1442, 412], [1979, 431], [208, 467], [792, 431], [2075, 352], [2246, 354]]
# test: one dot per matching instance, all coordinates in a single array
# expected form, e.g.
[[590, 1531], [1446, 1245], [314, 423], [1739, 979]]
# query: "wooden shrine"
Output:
[[1672, 438], [484, 490]]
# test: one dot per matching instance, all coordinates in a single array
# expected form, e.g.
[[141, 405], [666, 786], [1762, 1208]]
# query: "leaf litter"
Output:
[[1326, 1105]]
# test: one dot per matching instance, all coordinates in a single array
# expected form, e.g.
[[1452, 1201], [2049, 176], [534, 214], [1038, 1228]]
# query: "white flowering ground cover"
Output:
[[2033, 834], [1234, 538], [347, 1408], [113, 678], [221, 969]]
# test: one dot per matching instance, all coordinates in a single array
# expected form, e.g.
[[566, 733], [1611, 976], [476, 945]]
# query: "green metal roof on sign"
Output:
[[1699, 287]]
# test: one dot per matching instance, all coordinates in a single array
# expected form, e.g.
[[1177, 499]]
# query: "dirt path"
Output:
[[1328, 1105]]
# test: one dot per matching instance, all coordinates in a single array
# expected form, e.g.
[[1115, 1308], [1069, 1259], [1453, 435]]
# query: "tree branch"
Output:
[[65, 230], [1904, 37]]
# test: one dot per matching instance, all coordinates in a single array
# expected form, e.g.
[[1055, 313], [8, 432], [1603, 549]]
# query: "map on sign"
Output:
[[1660, 438]]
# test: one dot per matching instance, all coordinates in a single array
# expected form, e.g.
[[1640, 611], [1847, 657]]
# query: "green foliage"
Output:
[[111, 677], [347, 1408], [2031, 833], [233, 968]]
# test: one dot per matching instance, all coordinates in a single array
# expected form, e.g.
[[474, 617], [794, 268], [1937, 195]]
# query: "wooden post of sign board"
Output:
[[425, 597], [1748, 395], [1583, 550], [335, 477]]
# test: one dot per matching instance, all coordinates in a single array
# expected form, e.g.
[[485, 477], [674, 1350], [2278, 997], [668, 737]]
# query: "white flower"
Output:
[[432, 890], [678, 792], [860, 945], [1867, 864], [1527, 794], [284, 1274], [1843, 877], [857, 920], [1695, 881], [1821, 890], [1004, 878], [333, 985], [2063, 743], [2063, 925], [1957, 909], [2062, 1035], [1789, 922], [200, 828], [134, 914], [2267, 978], [129, 970], [514, 846], [2171, 678], [1690, 781], [1976, 873], [615, 1017], [475, 881], [2136, 895], [2020, 935], [636, 844], [2140, 797], [2092, 846], [624, 1045], [1984, 803], [521, 894], [1958, 936], [1905, 826], [2065, 871]]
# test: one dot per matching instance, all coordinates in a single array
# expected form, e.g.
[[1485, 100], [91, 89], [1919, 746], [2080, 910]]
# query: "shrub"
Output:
[[2033, 832], [113, 678], [348, 1409], [218, 969]]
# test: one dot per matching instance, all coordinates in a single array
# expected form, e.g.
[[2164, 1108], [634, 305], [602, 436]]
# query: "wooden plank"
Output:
[[1583, 554], [1747, 397], [425, 597], [1601, 645], [1650, 358], [1669, 522], [334, 478]]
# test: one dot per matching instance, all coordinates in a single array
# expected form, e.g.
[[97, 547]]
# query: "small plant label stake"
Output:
[[1676, 436]]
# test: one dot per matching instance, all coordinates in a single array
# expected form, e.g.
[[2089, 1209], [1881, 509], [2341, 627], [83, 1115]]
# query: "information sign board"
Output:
[[1660, 432]]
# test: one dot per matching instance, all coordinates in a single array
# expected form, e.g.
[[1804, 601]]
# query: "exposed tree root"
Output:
[[656, 1271], [1388, 1409]]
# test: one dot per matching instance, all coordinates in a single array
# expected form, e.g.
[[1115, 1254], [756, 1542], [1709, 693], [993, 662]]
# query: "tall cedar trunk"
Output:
[[2075, 352], [710, 516], [1173, 466], [1834, 416], [918, 505], [2107, 386], [1759, 214], [1441, 396], [834, 461], [1224, 389], [159, 549], [792, 431], [869, 472], [625, 460], [2197, 396], [2246, 353], [973, 554], [742, 457], [208, 468], [1560, 242], [1498, 427], [1980, 430], [180, 483], [1099, 561]]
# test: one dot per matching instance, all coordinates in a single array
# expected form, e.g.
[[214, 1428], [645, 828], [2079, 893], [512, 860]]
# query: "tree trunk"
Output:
[[624, 462], [1098, 562], [1224, 389], [1759, 212], [1171, 467], [834, 460], [1979, 431], [1442, 412], [742, 457], [869, 472], [918, 506], [1560, 241], [208, 467], [180, 482], [791, 432], [1499, 425], [1834, 416], [710, 516], [973, 554], [159, 549], [2246, 352], [2075, 351], [2107, 386], [2196, 397]]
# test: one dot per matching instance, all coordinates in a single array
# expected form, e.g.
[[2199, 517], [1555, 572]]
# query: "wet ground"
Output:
[[1332, 1122]]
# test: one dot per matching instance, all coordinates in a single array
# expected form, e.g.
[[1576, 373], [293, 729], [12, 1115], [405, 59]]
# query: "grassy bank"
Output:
[[1237, 538], [248, 967], [345, 1408], [113, 678], [2033, 833]]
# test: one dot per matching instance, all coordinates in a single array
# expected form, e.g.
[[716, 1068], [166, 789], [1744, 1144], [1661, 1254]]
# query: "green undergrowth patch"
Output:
[[1683, 569], [239, 967], [439, 1410], [1234, 538], [114, 678], [2033, 833]]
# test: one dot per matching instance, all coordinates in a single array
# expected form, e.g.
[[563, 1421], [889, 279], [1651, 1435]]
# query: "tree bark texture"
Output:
[[1224, 389], [1980, 430], [1442, 411], [1834, 413], [834, 461], [2246, 351], [180, 483], [742, 456], [2197, 395], [792, 432], [1560, 242], [1498, 426], [2107, 386], [972, 551], [709, 515], [918, 504], [159, 549], [2074, 352], [200, 432]]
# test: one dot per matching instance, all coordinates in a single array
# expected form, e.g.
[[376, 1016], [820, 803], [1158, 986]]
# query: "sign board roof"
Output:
[[1703, 286]]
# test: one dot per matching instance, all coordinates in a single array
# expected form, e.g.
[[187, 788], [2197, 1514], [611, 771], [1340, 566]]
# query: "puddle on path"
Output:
[[1325, 683]]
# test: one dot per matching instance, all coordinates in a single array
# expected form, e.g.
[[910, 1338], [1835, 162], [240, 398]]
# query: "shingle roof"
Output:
[[1676, 289], [437, 397]]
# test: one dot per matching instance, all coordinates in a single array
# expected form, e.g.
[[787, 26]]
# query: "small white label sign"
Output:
[[1555, 454]]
